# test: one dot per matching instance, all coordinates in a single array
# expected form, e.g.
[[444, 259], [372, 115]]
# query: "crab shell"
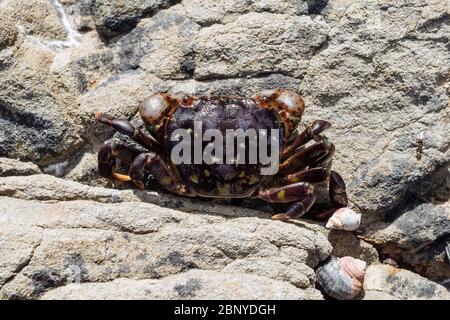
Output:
[[164, 116]]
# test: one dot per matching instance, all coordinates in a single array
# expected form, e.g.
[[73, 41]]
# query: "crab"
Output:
[[305, 154]]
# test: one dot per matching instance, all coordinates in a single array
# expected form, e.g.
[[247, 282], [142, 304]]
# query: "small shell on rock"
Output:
[[342, 278], [344, 219]]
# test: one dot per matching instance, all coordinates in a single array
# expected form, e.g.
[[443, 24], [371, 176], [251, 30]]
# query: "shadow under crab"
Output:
[[304, 156]]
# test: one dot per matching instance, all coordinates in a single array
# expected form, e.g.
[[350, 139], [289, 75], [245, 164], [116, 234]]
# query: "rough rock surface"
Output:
[[193, 284], [38, 17], [377, 70], [417, 238], [384, 282], [91, 234], [13, 167]]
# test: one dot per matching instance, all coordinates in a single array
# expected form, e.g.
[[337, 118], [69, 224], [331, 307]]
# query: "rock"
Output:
[[431, 222], [377, 70], [8, 33], [347, 244], [39, 18], [281, 269], [18, 245], [160, 45], [86, 171], [434, 188], [12, 167], [84, 66], [80, 12], [207, 13], [257, 44], [194, 284], [388, 282], [46, 187], [417, 238], [358, 82], [99, 235], [35, 110], [113, 18]]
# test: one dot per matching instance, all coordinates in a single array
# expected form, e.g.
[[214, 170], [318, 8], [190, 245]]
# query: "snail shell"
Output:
[[344, 219], [342, 278]]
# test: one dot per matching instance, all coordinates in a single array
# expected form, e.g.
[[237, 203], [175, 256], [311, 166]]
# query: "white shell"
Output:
[[342, 278], [344, 219]]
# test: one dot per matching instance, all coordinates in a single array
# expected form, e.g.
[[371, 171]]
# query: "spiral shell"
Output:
[[342, 278], [344, 219]]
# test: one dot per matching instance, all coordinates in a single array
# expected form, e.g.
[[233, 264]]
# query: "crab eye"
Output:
[[292, 101], [152, 109], [268, 94]]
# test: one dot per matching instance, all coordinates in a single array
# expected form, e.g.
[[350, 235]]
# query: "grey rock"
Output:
[[434, 188], [417, 238], [207, 13], [18, 245], [113, 18], [12, 167], [160, 45], [8, 33], [84, 237], [386, 282], [281, 269], [39, 18], [35, 110], [415, 228], [377, 70], [348, 244], [257, 44], [194, 284], [377, 106], [80, 13]]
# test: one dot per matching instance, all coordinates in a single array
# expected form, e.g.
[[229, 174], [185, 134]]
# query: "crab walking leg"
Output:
[[324, 161], [297, 209], [126, 128], [303, 157], [337, 190], [301, 191], [287, 193], [338, 195], [140, 167], [312, 131], [314, 176], [147, 163], [107, 157]]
